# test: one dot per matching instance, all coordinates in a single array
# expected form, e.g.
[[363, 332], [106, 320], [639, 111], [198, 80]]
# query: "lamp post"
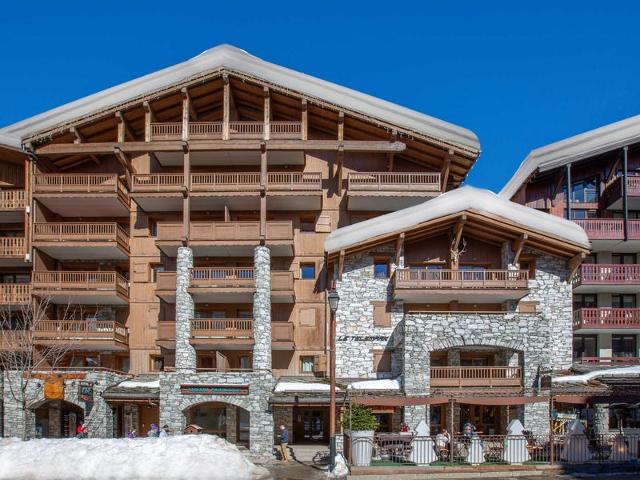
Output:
[[334, 299]]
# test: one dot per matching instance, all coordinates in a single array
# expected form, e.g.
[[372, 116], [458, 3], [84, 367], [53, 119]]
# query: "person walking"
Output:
[[164, 432], [284, 444]]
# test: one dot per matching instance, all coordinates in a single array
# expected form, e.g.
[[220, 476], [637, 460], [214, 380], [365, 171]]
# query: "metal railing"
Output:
[[471, 279], [89, 281], [157, 182], [222, 327], [394, 181], [476, 377], [15, 293], [81, 232], [12, 247], [606, 318], [606, 274], [80, 330], [12, 199]]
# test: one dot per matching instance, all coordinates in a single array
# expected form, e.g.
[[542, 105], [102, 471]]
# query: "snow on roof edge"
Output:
[[452, 202], [574, 148], [10, 141], [233, 58]]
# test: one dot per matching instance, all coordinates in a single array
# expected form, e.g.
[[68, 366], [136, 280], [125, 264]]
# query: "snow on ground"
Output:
[[191, 457], [388, 384], [608, 372], [139, 383], [302, 387]]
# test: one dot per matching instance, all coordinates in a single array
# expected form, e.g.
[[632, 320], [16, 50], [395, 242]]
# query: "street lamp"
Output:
[[334, 300]]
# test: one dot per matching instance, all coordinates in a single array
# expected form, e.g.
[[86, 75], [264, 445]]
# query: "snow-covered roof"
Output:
[[234, 59], [301, 387], [466, 198], [572, 149], [633, 371], [9, 141], [384, 384]]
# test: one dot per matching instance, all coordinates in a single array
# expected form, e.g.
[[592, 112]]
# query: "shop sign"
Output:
[[363, 338], [214, 389], [85, 391], [54, 388]]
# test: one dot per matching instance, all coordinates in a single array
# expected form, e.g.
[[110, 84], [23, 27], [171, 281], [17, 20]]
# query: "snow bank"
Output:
[[185, 456], [139, 383], [388, 384], [302, 387], [609, 372]]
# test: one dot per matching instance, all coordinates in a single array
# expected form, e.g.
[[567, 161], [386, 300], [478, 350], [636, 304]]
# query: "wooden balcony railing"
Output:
[[166, 330], [610, 361], [89, 281], [222, 327], [224, 182], [476, 377], [15, 293], [609, 228], [238, 129], [222, 277], [282, 332], [460, 279], [394, 181], [285, 129], [12, 200], [80, 330], [238, 231], [205, 129], [246, 129], [606, 318], [294, 181], [157, 182], [166, 131], [81, 232], [607, 274], [77, 183], [12, 247], [166, 281]]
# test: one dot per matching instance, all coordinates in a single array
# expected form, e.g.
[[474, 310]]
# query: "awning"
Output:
[[582, 399]]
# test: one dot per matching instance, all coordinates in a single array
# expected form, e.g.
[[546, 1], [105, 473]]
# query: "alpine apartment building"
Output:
[[177, 234]]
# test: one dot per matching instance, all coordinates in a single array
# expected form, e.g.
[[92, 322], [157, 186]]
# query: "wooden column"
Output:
[[148, 118], [304, 128], [340, 154], [567, 179], [444, 174], [267, 114], [28, 211], [226, 106], [185, 115], [263, 193], [186, 200]]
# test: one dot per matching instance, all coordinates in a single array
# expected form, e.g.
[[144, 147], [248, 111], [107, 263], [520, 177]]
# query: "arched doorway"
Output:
[[222, 419], [57, 419]]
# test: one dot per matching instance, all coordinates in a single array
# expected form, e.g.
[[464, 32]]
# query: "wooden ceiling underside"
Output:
[[247, 102]]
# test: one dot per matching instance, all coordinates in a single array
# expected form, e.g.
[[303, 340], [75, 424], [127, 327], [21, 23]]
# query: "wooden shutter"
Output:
[[381, 314]]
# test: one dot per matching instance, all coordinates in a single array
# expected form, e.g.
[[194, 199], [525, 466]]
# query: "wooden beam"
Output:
[[340, 264], [81, 139], [123, 128], [304, 128], [573, 264], [339, 162], [517, 248], [340, 126], [186, 105], [126, 164], [457, 232], [148, 119], [399, 247], [193, 114], [267, 114], [226, 106], [263, 193], [444, 174]]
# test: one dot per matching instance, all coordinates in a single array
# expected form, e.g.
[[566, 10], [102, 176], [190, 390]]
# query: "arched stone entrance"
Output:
[[57, 419], [227, 421]]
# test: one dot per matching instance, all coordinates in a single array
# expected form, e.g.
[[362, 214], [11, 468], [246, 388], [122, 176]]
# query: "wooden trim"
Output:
[[519, 244], [226, 106], [444, 174]]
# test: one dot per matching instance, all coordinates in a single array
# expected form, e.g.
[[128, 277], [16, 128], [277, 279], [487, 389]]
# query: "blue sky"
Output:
[[519, 75]]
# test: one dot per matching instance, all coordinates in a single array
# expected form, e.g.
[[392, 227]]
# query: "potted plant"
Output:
[[360, 423]]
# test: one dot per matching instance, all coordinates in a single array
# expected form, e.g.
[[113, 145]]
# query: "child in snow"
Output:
[[154, 432]]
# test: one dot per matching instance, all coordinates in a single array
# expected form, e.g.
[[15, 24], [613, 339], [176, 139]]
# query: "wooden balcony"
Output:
[[82, 241], [82, 334], [602, 277], [166, 336], [102, 195], [282, 336], [226, 285], [458, 377], [465, 286], [606, 319], [386, 191], [608, 234], [294, 190], [227, 238], [15, 294], [237, 129], [12, 205], [13, 251], [612, 195], [158, 192], [222, 333], [94, 287]]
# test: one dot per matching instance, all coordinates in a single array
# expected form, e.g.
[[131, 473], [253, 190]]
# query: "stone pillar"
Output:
[[55, 427], [536, 418], [601, 418], [185, 353], [262, 309], [232, 424], [413, 414]]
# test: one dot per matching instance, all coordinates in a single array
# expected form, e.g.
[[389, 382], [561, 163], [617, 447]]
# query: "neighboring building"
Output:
[[174, 226], [593, 179], [465, 301]]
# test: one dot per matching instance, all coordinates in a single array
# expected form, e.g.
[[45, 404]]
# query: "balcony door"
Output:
[[585, 346], [624, 345], [623, 301]]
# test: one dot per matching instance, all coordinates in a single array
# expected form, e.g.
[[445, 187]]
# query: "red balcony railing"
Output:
[[606, 318], [607, 274], [609, 228]]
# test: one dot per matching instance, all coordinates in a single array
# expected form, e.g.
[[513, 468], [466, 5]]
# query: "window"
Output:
[[245, 314], [306, 364], [153, 228], [308, 271], [245, 362], [581, 214], [155, 269], [624, 345], [206, 362], [381, 268], [623, 258], [157, 364], [623, 301], [585, 346], [584, 191], [307, 224], [585, 301]]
